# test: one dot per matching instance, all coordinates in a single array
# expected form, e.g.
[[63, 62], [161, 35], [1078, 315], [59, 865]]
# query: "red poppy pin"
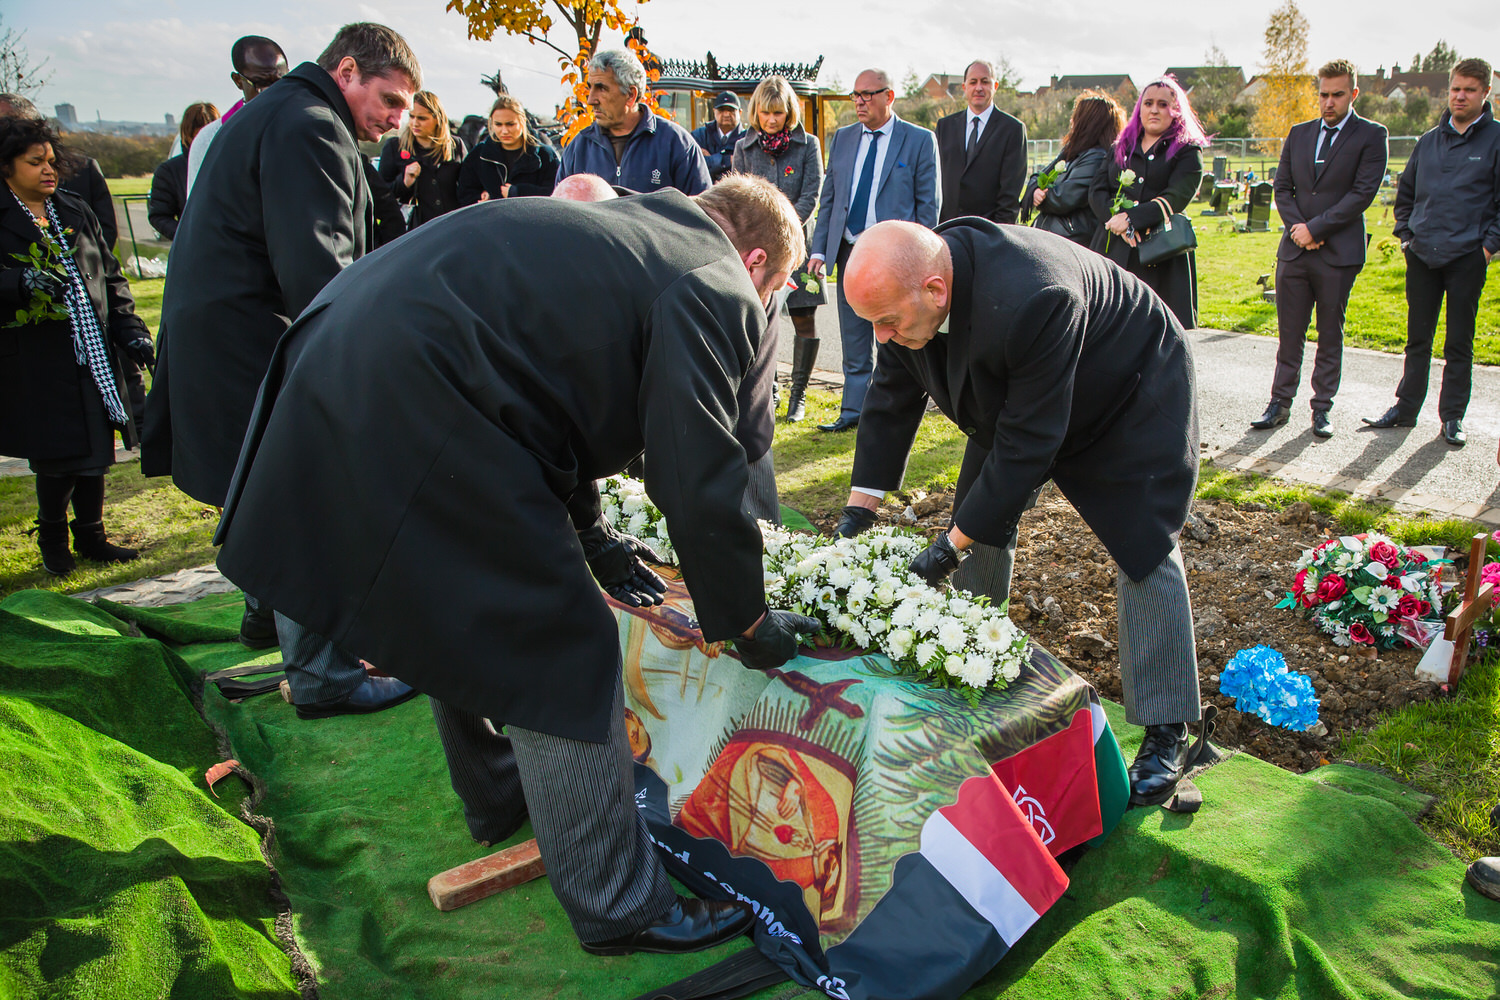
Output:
[[406, 154], [789, 171]]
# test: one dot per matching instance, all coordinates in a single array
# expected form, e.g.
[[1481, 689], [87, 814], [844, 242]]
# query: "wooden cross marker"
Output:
[[1476, 604], [486, 876]]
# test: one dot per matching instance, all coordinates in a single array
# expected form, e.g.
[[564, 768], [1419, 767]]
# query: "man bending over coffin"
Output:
[[1056, 365], [508, 356]]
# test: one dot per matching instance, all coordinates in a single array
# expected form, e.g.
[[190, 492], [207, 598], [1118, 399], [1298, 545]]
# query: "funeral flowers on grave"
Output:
[[863, 593], [1360, 589], [1260, 684]]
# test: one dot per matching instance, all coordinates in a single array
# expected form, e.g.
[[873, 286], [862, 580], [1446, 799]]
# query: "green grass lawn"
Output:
[[129, 185], [1229, 299]]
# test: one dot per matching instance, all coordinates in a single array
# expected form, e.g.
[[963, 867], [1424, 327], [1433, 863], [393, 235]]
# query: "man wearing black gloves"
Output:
[[1448, 222], [458, 556], [1056, 365]]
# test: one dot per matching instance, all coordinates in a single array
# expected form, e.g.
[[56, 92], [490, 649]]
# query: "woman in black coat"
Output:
[[169, 183], [1161, 146], [69, 316], [421, 164], [511, 162], [1063, 206]]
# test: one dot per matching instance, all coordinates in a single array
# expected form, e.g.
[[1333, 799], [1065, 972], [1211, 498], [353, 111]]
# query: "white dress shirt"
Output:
[[984, 123], [1319, 153]]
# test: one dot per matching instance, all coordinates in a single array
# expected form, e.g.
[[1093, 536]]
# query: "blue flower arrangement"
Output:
[[1260, 684]]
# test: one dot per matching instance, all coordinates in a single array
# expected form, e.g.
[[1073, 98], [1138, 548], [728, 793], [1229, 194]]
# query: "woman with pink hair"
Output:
[[1154, 172]]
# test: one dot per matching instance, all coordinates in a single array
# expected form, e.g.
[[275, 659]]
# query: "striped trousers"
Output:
[[581, 798]]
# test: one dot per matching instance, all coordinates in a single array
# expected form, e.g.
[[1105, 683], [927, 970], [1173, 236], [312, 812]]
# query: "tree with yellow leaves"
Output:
[[1289, 96], [535, 19]]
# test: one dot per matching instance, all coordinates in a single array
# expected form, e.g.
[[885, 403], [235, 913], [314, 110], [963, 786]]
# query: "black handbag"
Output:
[[1172, 238]]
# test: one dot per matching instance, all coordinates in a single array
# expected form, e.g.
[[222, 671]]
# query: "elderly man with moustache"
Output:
[[1059, 365]]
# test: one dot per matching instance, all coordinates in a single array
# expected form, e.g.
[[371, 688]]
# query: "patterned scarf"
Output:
[[88, 341], [778, 143]]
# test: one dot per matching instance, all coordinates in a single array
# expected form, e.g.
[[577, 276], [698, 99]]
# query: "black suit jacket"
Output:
[[496, 393], [1332, 205], [990, 186], [168, 195], [1056, 364], [282, 206], [86, 180]]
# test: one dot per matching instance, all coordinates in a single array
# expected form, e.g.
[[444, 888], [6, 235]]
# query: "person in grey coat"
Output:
[[779, 149], [280, 208]]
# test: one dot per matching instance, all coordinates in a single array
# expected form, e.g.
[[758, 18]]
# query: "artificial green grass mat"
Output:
[[1281, 886]]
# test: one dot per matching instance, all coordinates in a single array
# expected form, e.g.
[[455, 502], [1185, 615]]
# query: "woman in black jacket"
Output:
[[1063, 206], [169, 183], [1159, 155], [511, 162], [69, 315], [422, 163]]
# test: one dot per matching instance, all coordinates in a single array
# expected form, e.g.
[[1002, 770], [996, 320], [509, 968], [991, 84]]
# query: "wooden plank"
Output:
[[1476, 602], [486, 876]]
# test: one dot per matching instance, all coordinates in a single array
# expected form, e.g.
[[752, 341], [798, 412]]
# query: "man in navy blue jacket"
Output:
[[629, 145], [718, 137], [1448, 222]]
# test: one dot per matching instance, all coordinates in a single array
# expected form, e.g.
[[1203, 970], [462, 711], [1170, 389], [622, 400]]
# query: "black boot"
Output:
[[1159, 765], [89, 541], [804, 354], [52, 539]]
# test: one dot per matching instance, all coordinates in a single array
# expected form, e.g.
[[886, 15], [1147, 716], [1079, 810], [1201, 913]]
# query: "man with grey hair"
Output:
[[983, 152], [283, 207], [629, 145]]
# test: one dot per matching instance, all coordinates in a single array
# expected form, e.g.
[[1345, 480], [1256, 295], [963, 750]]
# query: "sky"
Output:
[[137, 61]]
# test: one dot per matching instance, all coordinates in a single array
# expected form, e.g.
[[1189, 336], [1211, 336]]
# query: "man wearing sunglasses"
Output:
[[258, 62], [879, 168]]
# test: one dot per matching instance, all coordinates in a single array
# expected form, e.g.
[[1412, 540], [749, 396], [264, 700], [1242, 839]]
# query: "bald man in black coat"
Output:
[[423, 495], [1057, 365]]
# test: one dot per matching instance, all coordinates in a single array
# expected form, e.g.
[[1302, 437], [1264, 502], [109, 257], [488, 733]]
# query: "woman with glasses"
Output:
[[422, 163], [1062, 207], [510, 162], [779, 149], [1162, 146]]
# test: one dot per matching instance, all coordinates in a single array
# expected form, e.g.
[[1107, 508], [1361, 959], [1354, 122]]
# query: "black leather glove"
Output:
[[775, 640], [853, 520], [938, 561], [615, 560], [36, 280], [141, 351]]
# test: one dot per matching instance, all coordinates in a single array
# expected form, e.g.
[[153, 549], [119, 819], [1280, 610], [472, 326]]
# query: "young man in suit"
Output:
[[983, 152], [1330, 171], [878, 168], [1057, 364], [1448, 222]]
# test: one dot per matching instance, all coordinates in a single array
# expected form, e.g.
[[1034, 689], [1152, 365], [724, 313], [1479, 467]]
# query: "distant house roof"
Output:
[[941, 85], [1108, 82], [1188, 75], [1436, 84]]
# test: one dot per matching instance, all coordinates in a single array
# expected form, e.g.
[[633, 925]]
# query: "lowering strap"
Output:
[[739, 975]]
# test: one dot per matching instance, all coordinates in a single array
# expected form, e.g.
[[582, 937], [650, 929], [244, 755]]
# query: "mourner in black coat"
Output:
[[168, 195], [1174, 179], [436, 191], [987, 183], [1056, 365], [286, 210], [531, 171], [451, 555]]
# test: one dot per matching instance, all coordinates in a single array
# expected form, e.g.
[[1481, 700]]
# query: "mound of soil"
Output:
[[1239, 560]]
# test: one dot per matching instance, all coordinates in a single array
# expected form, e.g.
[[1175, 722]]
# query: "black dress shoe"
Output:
[[1391, 418], [1484, 876], [374, 694], [1322, 427], [1453, 433], [258, 629], [1159, 764], [690, 925], [1275, 416], [841, 424]]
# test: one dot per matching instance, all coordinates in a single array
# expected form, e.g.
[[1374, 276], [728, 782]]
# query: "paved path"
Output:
[[1412, 467]]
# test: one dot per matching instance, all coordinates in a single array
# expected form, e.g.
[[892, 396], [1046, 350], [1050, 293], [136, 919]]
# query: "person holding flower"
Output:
[[1154, 173], [779, 149], [422, 164], [510, 162], [69, 319], [1062, 204]]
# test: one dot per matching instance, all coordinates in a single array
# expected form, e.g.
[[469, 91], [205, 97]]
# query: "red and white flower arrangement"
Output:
[[1360, 589]]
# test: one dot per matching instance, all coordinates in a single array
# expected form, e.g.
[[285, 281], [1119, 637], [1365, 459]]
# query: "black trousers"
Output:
[[1461, 281], [1302, 283]]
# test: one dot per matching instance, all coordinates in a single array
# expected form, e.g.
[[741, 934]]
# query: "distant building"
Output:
[[1189, 76], [943, 86], [66, 113], [1117, 85], [171, 120]]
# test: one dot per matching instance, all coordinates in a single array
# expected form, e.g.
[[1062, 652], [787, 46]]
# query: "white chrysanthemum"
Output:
[[807, 591], [925, 652], [1304, 560], [959, 606], [637, 523], [1010, 669], [1345, 561], [952, 635], [977, 671], [841, 577], [927, 620], [914, 592], [905, 613], [844, 623], [861, 589], [632, 503], [860, 633], [976, 615]]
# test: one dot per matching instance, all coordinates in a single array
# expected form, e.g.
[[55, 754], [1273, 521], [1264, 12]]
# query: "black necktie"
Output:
[[973, 140], [1325, 145]]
